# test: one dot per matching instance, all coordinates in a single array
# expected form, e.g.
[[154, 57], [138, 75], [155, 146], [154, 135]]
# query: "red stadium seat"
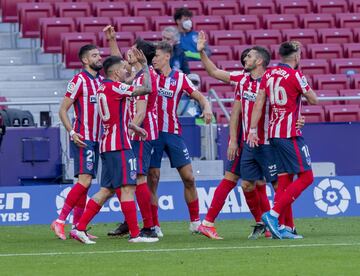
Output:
[[124, 39], [104, 52], [243, 22], [51, 30], [351, 50], [330, 6], [348, 20], [350, 93], [331, 82], [343, 113], [29, 15], [131, 24], [314, 66], [279, 22], [196, 67], [219, 86], [327, 93], [221, 53], [73, 9], [220, 116], [227, 37], [264, 37], [139, 8], [305, 36], [194, 6], [206, 23], [9, 10], [110, 9], [71, 43], [92, 24], [151, 36], [161, 22], [230, 65], [355, 81], [51, 1], [327, 51], [317, 21], [354, 5], [313, 113], [293, 6], [221, 7], [345, 66], [259, 7], [335, 35], [238, 49]]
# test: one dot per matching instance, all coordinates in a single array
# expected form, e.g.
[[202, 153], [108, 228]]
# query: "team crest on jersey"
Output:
[[173, 82], [165, 92], [133, 175], [93, 99], [71, 87], [123, 87], [102, 87], [89, 165]]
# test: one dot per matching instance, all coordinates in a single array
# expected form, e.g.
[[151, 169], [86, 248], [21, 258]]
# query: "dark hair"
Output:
[[147, 47], [288, 48], [165, 47], [182, 12], [264, 53], [243, 55], [85, 49], [111, 61]]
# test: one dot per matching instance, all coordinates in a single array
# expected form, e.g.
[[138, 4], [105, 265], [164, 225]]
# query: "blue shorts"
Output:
[[175, 148], [142, 151], [292, 155], [85, 159], [118, 169], [258, 163]]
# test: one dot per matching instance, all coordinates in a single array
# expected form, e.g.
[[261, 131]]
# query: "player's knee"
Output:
[[153, 179], [85, 179], [189, 181], [248, 186]]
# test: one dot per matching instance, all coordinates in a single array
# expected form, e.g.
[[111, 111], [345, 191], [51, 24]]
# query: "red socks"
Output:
[[129, 210], [264, 201], [79, 208], [72, 198], [92, 208], [194, 210], [284, 180], [143, 197], [155, 216], [219, 198], [252, 200]]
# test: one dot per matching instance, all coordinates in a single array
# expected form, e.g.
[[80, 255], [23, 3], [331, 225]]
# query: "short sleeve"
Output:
[[302, 82], [235, 77], [74, 88], [139, 82], [123, 89], [187, 85], [237, 93]]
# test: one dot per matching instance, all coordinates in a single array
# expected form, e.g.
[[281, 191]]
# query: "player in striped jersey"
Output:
[[118, 160], [284, 86], [171, 85], [84, 133]]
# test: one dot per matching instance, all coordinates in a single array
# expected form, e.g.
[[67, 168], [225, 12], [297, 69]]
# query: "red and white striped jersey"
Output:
[[82, 89], [284, 87], [150, 122], [246, 92], [170, 90], [113, 110]]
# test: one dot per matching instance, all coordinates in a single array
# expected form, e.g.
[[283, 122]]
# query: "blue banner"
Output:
[[327, 197]]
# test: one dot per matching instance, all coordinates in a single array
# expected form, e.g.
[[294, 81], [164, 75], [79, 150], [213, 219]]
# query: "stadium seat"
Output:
[[221, 7], [331, 82], [139, 8], [92, 24], [351, 50], [293, 6], [196, 67], [220, 116], [110, 9], [160, 22], [151, 36], [350, 93], [230, 65], [9, 10], [335, 35], [194, 6], [343, 113], [264, 37], [305, 36], [70, 45], [316, 21], [227, 37], [51, 30], [51, 1], [105, 52], [273, 63], [327, 93], [219, 86], [73, 10], [354, 5], [330, 6], [124, 39], [258, 7], [29, 15], [355, 81], [346, 20], [207, 23], [243, 22], [356, 34], [327, 51], [314, 66], [346, 66], [313, 113], [131, 24], [238, 49], [279, 22], [221, 53]]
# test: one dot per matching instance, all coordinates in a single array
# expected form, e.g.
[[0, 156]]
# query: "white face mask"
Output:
[[187, 24]]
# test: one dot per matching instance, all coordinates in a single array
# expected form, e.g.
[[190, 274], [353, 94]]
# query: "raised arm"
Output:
[[145, 88], [110, 35]]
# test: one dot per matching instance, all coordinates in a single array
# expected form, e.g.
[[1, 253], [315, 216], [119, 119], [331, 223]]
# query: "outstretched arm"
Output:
[[145, 88]]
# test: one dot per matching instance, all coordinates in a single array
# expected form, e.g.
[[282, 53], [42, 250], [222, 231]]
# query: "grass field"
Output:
[[330, 247]]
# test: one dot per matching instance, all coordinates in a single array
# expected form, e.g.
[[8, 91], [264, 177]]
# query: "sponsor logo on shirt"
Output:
[[93, 99], [165, 92], [249, 96]]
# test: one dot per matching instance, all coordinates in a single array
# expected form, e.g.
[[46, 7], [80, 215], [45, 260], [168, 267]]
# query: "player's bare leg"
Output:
[[153, 179]]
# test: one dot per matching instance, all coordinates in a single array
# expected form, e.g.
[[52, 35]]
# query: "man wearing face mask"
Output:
[[188, 37]]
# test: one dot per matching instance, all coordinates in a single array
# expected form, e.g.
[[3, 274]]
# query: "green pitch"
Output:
[[330, 247]]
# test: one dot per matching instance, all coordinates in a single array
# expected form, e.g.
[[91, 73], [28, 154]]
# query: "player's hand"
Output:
[[77, 138], [142, 133], [232, 150], [207, 115], [300, 122], [253, 140], [201, 43], [109, 32], [139, 55]]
